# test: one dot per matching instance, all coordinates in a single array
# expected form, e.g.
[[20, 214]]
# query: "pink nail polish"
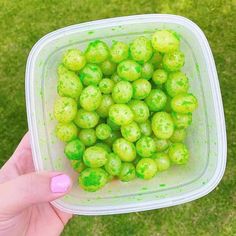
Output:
[[60, 183]]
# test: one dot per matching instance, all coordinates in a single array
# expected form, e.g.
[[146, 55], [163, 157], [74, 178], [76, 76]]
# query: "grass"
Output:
[[23, 22]]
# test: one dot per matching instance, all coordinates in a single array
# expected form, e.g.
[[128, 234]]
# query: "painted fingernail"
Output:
[[60, 183]]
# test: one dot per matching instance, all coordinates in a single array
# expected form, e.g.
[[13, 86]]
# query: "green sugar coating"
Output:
[[178, 136], [146, 168], [91, 74], [92, 179], [141, 88], [184, 103], [159, 77], [165, 41], [121, 114], [156, 60], [156, 100], [141, 49], [66, 131], [162, 125], [127, 172], [131, 132], [122, 92], [124, 149], [87, 136], [119, 52], [162, 161], [74, 150], [103, 109], [95, 156], [181, 120], [140, 110], [116, 78], [90, 98], [106, 85], [97, 52], [74, 60], [65, 109], [114, 135], [105, 146], [161, 144], [69, 84], [78, 165], [147, 70], [145, 146], [86, 119], [129, 70], [113, 125], [177, 83], [103, 131], [108, 67], [173, 61], [145, 128], [178, 153], [113, 165]]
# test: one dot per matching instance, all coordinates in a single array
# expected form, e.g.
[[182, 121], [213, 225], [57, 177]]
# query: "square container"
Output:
[[206, 138]]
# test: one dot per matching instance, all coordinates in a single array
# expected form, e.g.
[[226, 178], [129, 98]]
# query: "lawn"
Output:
[[24, 22]]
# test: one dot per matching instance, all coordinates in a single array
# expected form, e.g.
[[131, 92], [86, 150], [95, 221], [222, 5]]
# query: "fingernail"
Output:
[[60, 183]]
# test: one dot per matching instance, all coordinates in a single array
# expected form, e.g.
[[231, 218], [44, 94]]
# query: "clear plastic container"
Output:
[[206, 136]]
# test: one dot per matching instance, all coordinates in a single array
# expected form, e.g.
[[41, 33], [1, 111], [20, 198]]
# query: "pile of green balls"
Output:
[[123, 111]]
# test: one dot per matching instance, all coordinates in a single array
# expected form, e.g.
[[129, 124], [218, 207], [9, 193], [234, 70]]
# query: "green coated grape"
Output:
[[74, 150], [66, 132], [140, 110], [88, 136], [178, 153], [65, 109], [162, 125], [103, 109], [97, 52], [106, 85], [116, 78], [147, 71], [173, 61], [141, 49], [113, 165], [131, 132], [156, 100], [141, 88], [74, 60], [90, 98], [146, 168], [91, 74], [177, 83], [77, 165], [165, 41], [95, 157], [119, 52], [113, 125], [184, 103], [105, 146], [129, 70], [92, 179], [127, 172], [108, 67], [103, 131], [159, 77], [162, 161], [124, 149], [161, 144], [113, 137], [156, 60], [145, 128], [121, 114], [86, 119], [145, 146], [182, 120], [122, 92], [178, 136]]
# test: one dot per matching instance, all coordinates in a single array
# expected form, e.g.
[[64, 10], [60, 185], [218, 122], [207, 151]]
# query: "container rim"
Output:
[[127, 208]]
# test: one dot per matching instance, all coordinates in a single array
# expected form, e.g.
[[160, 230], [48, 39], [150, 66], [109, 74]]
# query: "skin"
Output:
[[140, 110], [173, 61], [87, 136], [145, 147], [86, 119], [146, 168], [27, 213], [141, 88], [66, 132], [122, 92], [156, 100], [74, 150]]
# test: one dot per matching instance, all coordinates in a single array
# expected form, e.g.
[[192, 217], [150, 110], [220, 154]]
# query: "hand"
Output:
[[25, 196]]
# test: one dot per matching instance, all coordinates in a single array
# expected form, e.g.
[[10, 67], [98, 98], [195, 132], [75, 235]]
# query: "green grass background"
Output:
[[23, 22]]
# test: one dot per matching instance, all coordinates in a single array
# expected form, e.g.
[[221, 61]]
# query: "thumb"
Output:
[[29, 189]]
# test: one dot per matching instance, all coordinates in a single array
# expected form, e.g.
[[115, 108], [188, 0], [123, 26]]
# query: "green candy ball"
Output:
[[173, 61], [182, 121], [131, 132], [105, 146], [106, 85], [127, 172], [156, 100], [108, 67], [159, 77], [74, 150], [122, 92], [113, 137], [124, 149], [113, 165], [178, 153], [140, 110], [103, 131], [162, 161], [141, 88], [178, 136], [156, 60], [88, 137], [103, 109], [146, 168], [86, 119], [161, 144], [145, 147], [77, 165], [116, 78], [147, 70], [119, 52], [66, 132], [145, 128], [92, 179], [113, 125]]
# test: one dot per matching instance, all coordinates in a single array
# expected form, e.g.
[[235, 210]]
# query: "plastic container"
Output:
[[206, 137]]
